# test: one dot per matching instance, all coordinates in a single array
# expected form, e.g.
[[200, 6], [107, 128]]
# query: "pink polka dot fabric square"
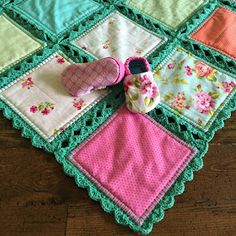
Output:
[[134, 160]]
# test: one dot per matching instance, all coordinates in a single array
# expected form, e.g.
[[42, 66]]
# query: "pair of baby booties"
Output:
[[141, 92]]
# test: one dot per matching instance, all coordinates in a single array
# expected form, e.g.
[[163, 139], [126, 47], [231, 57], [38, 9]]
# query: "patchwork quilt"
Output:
[[132, 164]]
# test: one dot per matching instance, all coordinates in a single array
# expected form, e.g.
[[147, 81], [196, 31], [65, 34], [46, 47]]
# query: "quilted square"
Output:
[[56, 15], [171, 13], [15, 43], [134, 160], [120, 37], [218, 31], [192, 88], [40, 99]]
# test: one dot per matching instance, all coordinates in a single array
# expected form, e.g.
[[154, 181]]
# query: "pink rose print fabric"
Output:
[[40, 99], [192, 88], [141, 92], [135, 178]]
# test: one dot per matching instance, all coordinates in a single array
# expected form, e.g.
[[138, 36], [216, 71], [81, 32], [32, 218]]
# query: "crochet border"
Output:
[[67, 141]]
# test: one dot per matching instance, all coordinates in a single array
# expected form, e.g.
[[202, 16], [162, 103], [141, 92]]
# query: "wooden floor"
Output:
[[36, 198]]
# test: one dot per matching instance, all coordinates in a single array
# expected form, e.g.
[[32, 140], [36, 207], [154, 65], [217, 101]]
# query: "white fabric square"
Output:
[[40, 99], [119, 37]]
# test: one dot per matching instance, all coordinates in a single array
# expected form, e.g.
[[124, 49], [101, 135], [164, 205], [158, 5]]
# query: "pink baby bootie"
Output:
[[80, 79], [141, 91]]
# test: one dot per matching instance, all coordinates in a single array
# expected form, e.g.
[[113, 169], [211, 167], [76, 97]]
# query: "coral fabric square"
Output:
[[15, 44], [40, 99], [219, 32], [171, 13], [193, 89], [134, 160], [120, 37], [57, 15]]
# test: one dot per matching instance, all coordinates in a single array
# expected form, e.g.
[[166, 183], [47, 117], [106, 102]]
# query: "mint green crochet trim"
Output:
[[188, 133], [202, 51], [25, 65], [85, 125], [180, 128], [68, 140], [229, 3]]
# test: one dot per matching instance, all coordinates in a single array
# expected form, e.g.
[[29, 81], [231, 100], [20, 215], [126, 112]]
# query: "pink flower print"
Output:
[[171, 66], [106, 44], [127, 84], [179, 102], [188, 70], [199, 121], [228, 87], [203, 102], [43, 107], [138, 50], [78, 104], [27, 83], [202, 69], [148, 87], [60, 60], [45, 111], [33, 109]]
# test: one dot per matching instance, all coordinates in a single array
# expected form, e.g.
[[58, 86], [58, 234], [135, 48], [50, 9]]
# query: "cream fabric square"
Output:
[[40, 99], [119, 37]]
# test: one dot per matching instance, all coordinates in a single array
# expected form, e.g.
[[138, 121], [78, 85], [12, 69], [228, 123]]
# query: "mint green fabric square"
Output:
[[56, 16], [193, 89], [15, 44], [171, 13]]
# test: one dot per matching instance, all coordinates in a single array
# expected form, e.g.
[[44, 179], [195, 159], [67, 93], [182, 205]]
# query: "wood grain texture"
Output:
[[36, 198]]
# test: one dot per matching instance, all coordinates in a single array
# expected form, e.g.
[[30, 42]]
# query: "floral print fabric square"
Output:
[[192, 88], [15, 44], [134, 160], [119, 37], [40, 99], [56, 15], [219, 32], [171, 13]]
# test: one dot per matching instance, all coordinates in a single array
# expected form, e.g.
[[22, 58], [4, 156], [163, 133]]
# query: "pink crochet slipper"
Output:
[[141, 91], [80, 79]]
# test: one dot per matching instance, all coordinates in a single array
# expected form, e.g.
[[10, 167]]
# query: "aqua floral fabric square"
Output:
[[192, 88], [56, 16]]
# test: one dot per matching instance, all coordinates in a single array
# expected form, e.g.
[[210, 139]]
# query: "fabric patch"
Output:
[[134, 160], [15, 43], [40, 99], [119, 37], [57, 15], [219, 32], [192, 88], [171, 13]]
